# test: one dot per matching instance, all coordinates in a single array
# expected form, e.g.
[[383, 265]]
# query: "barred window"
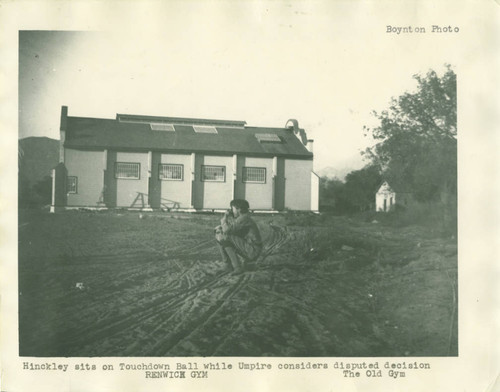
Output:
[[72, 184], [171, 172], [254, 174], [130, 171], [213, 173]]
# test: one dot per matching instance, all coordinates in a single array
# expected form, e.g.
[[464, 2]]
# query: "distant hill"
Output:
[[342, 168], [335, 172], [37, 157]]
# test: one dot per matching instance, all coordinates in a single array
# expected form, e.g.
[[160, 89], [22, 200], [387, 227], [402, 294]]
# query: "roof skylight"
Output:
[[268, 137], [162, 127], [204, 129]]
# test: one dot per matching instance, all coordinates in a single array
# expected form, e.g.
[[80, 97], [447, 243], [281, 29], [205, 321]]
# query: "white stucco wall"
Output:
[[259, 196], [128, 190], [217, 195], [314, 192], [175, 193], [88, 167], [298, 184]]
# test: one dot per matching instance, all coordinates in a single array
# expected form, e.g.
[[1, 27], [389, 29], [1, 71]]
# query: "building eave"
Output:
[[187, 151]]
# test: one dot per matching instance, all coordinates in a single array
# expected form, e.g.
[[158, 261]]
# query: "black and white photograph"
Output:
[[248, 185]]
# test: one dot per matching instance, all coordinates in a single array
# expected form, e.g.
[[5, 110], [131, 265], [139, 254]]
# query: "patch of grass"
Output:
[[439, 218], [307, 219]]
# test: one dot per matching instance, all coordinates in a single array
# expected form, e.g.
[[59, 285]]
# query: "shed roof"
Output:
[[132, 132]]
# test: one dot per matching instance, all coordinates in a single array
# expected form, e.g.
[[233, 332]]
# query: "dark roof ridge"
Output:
[[268, 128], [180, 120], [91, 118]]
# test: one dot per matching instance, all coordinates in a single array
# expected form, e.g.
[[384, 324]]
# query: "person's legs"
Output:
[[223, 244], [245, 249], [225, 257], [244, 253], [236, 251], [235, 260], [230, 256]]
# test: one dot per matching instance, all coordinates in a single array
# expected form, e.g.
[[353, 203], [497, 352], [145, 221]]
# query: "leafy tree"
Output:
[[357, 193], [361, 185], [330, 189], [326, 193], [43, 190], [416, 139], [24, 193]]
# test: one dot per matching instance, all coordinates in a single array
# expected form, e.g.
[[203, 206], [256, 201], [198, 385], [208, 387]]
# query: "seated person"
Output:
[[238, 236]]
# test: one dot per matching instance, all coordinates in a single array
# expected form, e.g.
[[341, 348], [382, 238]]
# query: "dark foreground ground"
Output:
[[131, 284]]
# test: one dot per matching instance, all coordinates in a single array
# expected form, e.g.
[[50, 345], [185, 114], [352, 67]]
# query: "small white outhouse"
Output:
[[386, 197]]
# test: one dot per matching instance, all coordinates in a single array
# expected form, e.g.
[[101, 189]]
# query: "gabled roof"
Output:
[[384, 187], [393, 187], [131, 132]]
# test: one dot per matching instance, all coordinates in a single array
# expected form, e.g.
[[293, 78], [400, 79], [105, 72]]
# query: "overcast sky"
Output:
[[326, 65]]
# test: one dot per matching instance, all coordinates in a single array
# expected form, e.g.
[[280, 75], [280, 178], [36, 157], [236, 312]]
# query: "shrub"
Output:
[[439, 217]]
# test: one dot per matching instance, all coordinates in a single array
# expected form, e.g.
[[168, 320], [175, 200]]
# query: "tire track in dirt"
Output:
[[174, 339], [313, 324], [290, 299], [106, 258], [174, 254], [129, 269], [132, 271], [220, 346], [310, 336], [343, 306], [131, 258], [169, 307], [160, 320], [53, 286], [277, 239], [179, 306], [127, 322], [279, 236], [108, 326], [132, 350]]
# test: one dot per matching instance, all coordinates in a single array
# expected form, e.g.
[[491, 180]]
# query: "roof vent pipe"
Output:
[[299, 132], [310, 145]]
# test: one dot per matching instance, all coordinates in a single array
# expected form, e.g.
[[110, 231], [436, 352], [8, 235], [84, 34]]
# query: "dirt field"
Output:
[[152, 284]]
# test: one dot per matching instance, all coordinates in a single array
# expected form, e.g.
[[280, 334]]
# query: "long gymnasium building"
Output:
[[149, 162]]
